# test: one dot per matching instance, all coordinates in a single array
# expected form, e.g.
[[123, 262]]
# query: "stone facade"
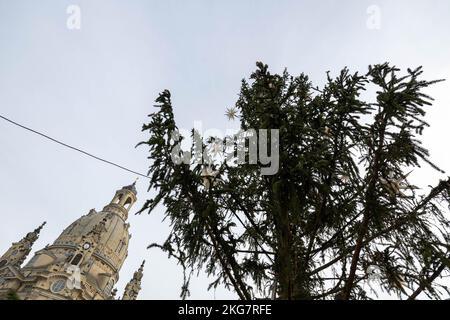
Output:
[[82, 264]]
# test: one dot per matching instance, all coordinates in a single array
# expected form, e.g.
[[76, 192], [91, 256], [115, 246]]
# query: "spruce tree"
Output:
[[339, 220]]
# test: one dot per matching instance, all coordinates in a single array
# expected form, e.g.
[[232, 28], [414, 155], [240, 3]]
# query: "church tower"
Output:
[[134, 286], [19, 251], [83, 263]]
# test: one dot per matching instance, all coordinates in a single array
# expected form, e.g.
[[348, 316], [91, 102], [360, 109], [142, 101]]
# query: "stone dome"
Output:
[[95, 246], [113, 243]]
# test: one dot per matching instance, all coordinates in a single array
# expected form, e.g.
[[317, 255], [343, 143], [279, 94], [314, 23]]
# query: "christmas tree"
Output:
[[338, 220]]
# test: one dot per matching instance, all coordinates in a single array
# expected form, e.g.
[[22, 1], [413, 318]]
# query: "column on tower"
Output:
[[134, 286]]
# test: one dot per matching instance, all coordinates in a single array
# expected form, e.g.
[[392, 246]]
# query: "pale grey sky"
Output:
[[93, 88]]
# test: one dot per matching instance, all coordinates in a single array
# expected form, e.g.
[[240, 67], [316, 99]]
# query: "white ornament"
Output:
[[231, 113], [74, 281], [394, 186]]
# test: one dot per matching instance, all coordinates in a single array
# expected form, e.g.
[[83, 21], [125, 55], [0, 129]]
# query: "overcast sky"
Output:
[[94, 87]]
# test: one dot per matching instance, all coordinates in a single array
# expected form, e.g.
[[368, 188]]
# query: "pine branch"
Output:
[[425, 283]]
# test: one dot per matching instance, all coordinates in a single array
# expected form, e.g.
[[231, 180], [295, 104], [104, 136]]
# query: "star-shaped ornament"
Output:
[[395, 185], [231, 113]]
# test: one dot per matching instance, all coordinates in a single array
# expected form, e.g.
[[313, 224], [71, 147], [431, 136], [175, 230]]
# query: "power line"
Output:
[[73, 148]]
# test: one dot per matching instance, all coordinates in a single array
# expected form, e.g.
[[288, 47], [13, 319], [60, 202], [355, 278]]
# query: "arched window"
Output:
[[109, 286], [120, 246], [76, 260], [3, 263], [128, 202], [119, 198]]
